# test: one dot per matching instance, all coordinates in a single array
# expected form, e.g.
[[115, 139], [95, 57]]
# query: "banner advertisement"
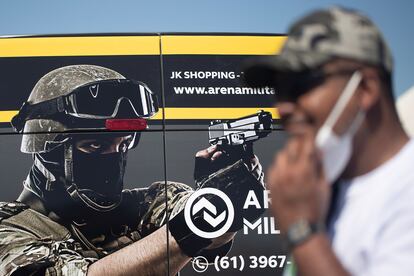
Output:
[[150, 142]]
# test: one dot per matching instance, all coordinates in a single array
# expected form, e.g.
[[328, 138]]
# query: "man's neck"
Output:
[[377, 144]]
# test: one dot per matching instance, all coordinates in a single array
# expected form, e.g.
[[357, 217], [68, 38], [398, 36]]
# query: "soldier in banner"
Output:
[[73, 216]]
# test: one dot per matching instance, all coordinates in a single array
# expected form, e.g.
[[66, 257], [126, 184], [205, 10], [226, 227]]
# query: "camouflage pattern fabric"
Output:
[[157, 215], [336, 32], [319, 37], [33, 244]]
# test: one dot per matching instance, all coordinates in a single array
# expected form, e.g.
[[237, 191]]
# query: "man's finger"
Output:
[[282, 164], [308, 146], [293, 149]]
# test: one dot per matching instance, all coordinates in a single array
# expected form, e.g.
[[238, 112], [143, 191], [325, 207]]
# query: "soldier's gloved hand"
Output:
[[216, 157], [238, 174], [235, 175], [189, 242]]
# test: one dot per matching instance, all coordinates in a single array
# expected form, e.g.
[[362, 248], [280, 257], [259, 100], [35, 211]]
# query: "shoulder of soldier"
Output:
[[17, 217], [30, 239], [11, 236], [9, 209]]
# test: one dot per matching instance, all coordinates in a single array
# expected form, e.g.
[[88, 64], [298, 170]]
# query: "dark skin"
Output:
[[296, 179]]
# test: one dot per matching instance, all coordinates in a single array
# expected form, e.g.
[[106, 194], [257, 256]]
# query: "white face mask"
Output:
[[336, 150]]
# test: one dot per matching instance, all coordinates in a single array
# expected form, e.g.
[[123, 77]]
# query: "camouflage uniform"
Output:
[[33, 244]]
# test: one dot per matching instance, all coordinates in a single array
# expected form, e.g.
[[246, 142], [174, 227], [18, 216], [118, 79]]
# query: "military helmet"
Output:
[[75, 99], [78, 97], [57, 83]]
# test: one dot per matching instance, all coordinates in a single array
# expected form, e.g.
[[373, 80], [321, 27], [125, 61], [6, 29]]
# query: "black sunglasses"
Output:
[[290, 86]]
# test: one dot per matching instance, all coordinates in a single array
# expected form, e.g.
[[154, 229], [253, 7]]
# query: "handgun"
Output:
[[234, 139], [240, 131]]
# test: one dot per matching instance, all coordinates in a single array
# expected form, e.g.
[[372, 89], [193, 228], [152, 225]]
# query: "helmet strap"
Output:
[[68, 154], [50, 178]]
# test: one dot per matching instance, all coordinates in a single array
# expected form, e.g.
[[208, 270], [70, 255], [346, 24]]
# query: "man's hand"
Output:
[[297, 184], [299, 191]]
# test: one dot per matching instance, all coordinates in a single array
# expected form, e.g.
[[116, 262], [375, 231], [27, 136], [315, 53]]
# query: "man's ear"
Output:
[[370, 88]]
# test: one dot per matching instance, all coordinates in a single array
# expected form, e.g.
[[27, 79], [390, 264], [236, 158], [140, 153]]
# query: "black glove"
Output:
[[235, 180], [203, 167]]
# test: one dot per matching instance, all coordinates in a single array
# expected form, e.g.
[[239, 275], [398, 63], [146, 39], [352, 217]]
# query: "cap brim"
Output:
[[263, 71]]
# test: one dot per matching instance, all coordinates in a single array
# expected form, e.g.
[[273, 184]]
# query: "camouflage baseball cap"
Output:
[[320, 37]]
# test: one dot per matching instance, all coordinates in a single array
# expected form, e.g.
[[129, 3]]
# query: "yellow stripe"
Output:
[[140, 45], [79, 46], [221, 45], [175, 113], [7, 115], [178, 113]]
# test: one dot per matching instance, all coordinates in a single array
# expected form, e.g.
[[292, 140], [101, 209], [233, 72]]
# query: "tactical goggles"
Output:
[[100, 100]]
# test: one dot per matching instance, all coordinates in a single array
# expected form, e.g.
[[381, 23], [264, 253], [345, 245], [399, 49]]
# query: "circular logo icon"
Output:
[[197, 203], [200, 264]]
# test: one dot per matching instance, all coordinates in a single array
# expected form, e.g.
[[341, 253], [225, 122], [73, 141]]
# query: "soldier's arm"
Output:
[[147, 256], [23, 254]]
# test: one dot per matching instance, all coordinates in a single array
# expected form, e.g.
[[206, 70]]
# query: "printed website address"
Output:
[[201, 90]]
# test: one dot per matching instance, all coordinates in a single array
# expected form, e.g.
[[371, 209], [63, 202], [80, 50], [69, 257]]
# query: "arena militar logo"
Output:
[[198, 206]]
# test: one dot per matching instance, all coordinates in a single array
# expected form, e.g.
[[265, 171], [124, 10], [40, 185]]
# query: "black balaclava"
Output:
[[94, 182], [99, 177]]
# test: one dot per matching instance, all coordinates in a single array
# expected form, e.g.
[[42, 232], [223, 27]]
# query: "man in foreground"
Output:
[[343, 186]]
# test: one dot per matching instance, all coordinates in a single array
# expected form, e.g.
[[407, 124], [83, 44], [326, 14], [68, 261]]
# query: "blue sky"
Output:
[[264, 16]]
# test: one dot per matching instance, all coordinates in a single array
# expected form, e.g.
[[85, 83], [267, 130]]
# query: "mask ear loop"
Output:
[[343, 100]]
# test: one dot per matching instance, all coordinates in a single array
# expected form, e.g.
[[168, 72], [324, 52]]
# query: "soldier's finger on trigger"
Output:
[[207, 153], [216, 155]]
